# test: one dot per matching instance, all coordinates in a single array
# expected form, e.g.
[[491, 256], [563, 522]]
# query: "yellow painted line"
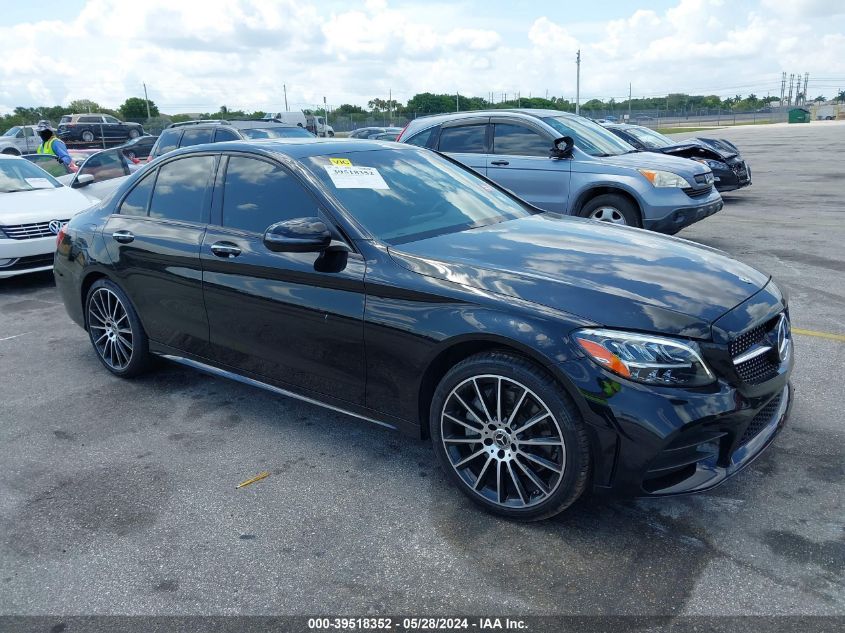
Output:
[[832, 337]]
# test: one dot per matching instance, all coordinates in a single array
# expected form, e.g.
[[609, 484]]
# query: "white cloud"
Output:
[[197, 55]]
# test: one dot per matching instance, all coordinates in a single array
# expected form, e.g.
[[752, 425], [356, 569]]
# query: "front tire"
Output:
[[115, 331], [88, 136], [133, 133], [331, 134], [612, 208], [11, 151], [509, 437]]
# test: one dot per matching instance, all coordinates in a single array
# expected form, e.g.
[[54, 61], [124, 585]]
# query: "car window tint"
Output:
[[111, 119], [257, 194], [90, 119], [225, 134], [168, 141], [104, 166], [466, 139], [196, 136], [518, 140], [421, 139], [138, 199], [180, 189]]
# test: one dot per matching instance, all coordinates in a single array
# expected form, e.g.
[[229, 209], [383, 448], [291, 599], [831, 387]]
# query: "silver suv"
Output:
[[566, 163]]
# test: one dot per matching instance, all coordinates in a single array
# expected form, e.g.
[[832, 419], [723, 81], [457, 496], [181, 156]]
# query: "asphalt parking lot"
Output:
[[118, 497]]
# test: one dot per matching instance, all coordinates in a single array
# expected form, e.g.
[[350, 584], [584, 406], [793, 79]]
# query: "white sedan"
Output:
[[33, 208]]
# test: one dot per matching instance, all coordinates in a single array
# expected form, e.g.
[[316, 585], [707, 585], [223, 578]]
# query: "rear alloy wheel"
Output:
[[612, 208], [509, 436], [115, 331], [88, 136], [133, 133]]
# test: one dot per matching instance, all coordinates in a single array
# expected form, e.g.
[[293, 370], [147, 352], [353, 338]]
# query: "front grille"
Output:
[[30, 261], [761, 420], [28, 231], [759, 368], [698, 193]]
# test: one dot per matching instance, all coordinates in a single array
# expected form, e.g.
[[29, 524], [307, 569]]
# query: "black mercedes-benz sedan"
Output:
[[542, 354]]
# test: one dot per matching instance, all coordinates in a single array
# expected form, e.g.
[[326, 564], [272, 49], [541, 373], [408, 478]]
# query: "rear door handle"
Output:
[[499, 162], [225, 249], [124, 237]]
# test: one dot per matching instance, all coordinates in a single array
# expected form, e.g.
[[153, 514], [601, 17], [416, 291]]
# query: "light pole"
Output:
[[578, 82]]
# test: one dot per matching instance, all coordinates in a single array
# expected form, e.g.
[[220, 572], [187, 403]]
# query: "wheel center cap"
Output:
[[502, 439]]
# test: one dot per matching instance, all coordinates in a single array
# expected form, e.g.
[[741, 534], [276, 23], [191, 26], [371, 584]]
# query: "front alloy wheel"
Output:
[[503, 441], [608, 214], [510, 436]]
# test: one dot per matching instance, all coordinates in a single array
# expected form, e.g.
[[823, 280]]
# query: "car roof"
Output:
[[238, 124], [298, 148], [535, 113]]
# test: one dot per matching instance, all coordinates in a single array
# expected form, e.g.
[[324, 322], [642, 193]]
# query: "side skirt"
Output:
[[358, 412]]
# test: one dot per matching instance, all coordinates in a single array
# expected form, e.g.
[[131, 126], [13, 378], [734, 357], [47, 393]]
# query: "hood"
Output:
[[41, 205], [720, 145], [649, 160], [613, 276]]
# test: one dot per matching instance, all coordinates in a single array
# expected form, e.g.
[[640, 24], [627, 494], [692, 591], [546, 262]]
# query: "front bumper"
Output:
[[18, 257], [657, 441], [683, 211], [735, 177]]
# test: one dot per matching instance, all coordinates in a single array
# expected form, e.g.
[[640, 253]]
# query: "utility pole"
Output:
[[325, 111], [145, 99], [389, 99], [578, 82], [629, 101], [782, 87], [789, 98], [806, 79], [285, 88]]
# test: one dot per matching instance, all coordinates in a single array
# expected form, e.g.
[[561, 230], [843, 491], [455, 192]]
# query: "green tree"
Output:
[[345, 109], [80, 106], [136, 108], [820, 99]]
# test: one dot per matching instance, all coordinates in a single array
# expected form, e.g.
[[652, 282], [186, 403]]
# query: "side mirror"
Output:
[[300, 235], [83, 180], [562, 147]]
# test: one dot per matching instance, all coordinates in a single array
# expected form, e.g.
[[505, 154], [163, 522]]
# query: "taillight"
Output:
[[61, 234], [403, 131]]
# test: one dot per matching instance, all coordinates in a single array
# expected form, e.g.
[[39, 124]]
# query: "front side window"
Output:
[[518, 140], [589, 137], [257, 194], [105, 166], [138, 199], [180, 189], [111, 119], [403, 195], [464, 139], [168, 141], [196, 136]]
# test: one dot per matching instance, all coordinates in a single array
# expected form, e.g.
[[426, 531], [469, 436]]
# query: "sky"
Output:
[[195, 56]]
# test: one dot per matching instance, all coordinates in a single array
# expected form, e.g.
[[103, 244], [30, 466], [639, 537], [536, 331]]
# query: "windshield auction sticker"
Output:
[[347, 177], [343, 162], [39, 183]]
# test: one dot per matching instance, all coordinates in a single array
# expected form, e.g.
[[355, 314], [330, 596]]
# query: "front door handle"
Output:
[[499, 162], [124, 237], [225, 249]]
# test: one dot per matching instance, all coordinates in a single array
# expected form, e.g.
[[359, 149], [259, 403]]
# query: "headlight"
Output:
[[653, 360], [664, 178], [712, 164]]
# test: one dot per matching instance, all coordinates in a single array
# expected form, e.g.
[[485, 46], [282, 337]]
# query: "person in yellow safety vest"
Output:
[[51, 144]]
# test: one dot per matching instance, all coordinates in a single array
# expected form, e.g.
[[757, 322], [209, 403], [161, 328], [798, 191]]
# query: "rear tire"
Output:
[[612, 208], [509, 437], [115, 331], [133, 133], [88, 136]]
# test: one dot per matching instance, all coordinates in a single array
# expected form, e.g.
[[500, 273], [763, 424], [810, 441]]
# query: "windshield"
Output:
[[12, 131], [278, 132], [650, 138], [589, 137], [21, 175], [403, 196]]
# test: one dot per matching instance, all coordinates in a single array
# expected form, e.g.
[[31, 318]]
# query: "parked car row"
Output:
[[543, 355], [373, 132]]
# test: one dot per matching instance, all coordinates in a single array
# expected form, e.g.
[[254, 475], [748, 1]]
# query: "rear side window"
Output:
[[138, 199], [90, 119], [180, 189], [168, 141], [258, 194], [196, 136], [464, 139], [225, 134], [518, 140], [421, 139]]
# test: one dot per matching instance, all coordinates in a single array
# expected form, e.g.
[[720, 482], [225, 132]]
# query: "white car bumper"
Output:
[[18, 257]]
